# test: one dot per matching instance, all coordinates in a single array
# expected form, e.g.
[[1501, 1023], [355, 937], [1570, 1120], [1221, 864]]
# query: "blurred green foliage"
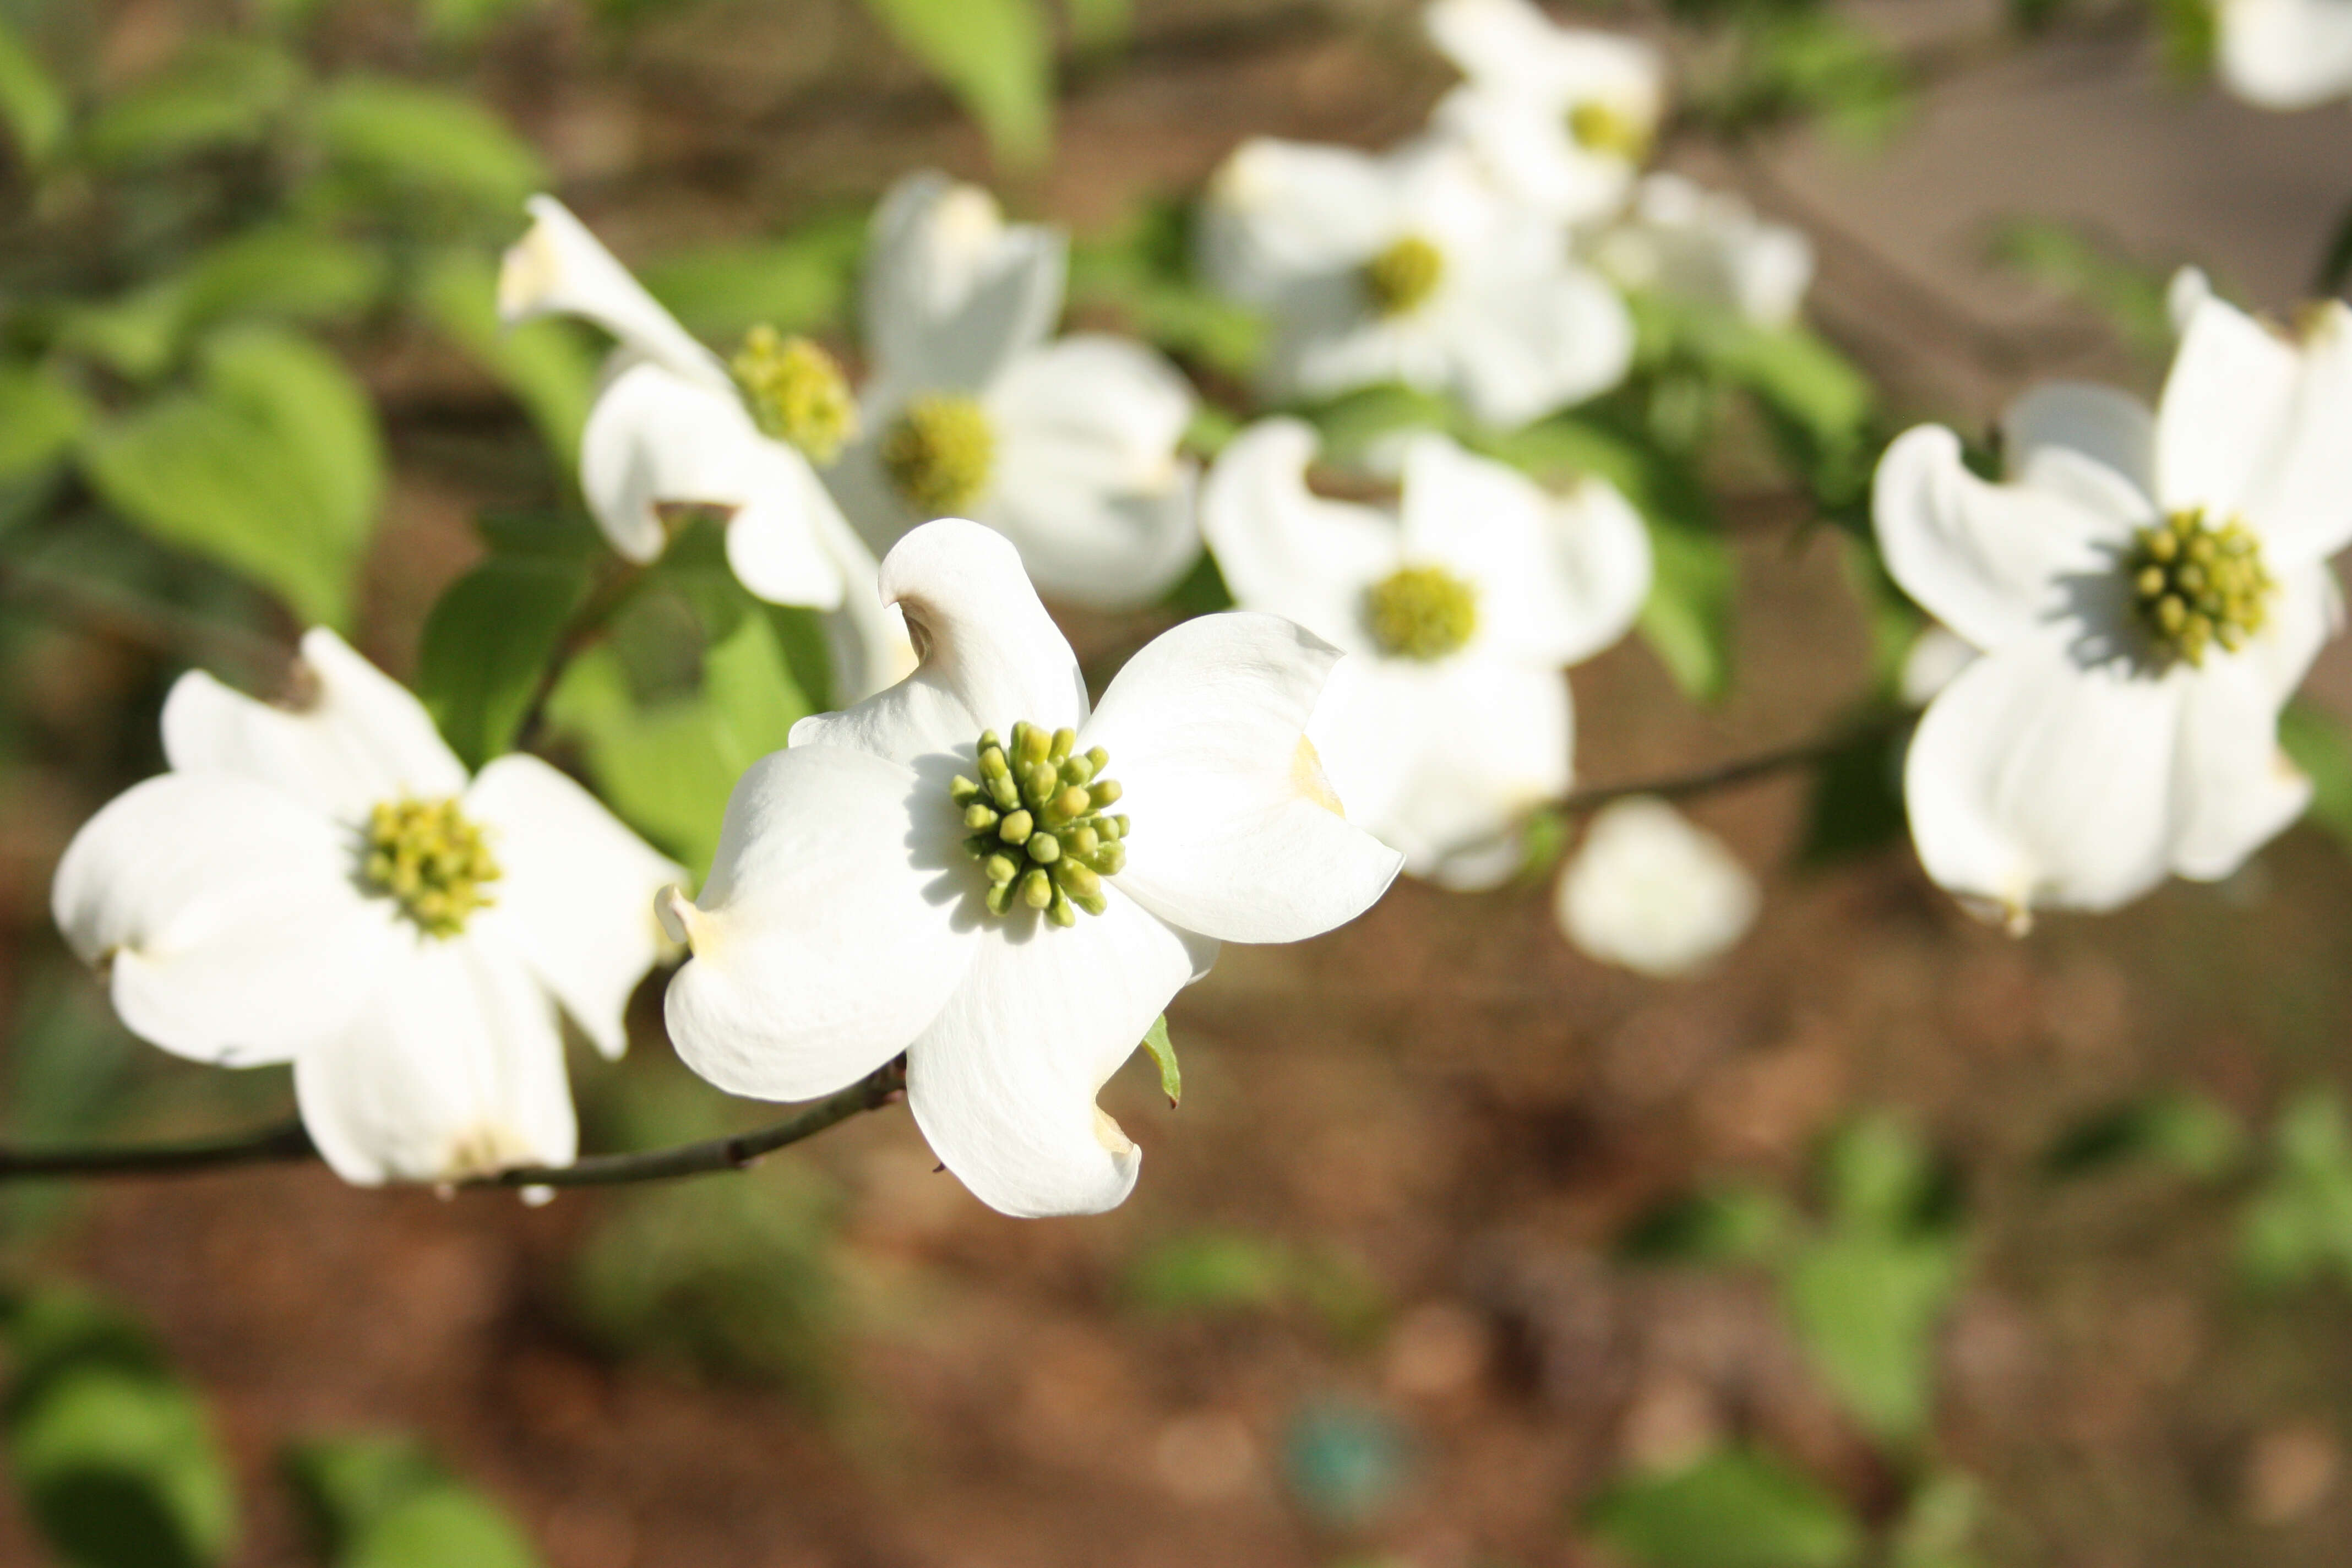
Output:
[[382, 1501]]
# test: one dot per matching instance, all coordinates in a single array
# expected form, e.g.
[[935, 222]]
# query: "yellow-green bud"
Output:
[[427, 856], [796, 393], [1045, 844], [2196, 585], [1609, 129], [939, 455], [1422, 611], [1401, 278]]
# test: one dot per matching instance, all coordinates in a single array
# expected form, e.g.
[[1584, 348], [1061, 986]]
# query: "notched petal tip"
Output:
[[1307, 775], [680, 918]]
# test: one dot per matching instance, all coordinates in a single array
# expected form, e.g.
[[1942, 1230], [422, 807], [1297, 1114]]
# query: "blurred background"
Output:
[[1888, 1240]]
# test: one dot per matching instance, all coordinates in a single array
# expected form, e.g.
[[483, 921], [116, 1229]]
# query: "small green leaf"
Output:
[[1867, 1310], [1855, 807], [396, 137], [383, 1502], [463, 21], [800, 283], [2131, 296], [550, 365], [2318, 742], [40, 418], [2179, 1129], [1730, 1223], [1164, 1051], [1733, 1510], [486, 643], [2298, 1223], [993, 55], [284, 272], [31, 102], [1687, 620], [220, 90], [1212, 1271], [271, 465], [1352, 422]]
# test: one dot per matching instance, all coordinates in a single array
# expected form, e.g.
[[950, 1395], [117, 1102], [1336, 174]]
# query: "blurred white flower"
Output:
[[1409, 268], [1067, 447], [1653, 893], [939, 871], [670, 430], [1462, 605], [1561, 119], [1937, 658], [2286, 54], [1710, 249], [2147, 591], [326, 887]]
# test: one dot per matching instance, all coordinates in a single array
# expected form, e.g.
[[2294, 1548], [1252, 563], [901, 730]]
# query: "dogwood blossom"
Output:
[[1652, 892], [1710, 249], [2145, 590], [327, 887], [1462, 605], [1561, 119], [939, 872], [1409, 266], [676, 428], [1067, 447], [2286, 54]]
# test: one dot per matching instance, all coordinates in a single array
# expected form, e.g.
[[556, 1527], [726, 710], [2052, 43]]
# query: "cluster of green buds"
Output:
[[940, 453], [1038, 823], [1422, 611], [1606, 129], [796, 393], [1401, 278], [427, 855], [2196, 585]]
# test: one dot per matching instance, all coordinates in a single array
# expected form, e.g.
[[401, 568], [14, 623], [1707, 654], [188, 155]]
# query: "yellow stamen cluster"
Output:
[[427, 855], [796, 393], [2195, 585], [1606, 129], [1401, 278], [938, 453], [1037, 824], [1422, 611]]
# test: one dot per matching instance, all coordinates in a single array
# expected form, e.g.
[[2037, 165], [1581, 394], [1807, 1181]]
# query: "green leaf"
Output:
[[550, 365], [2189, 35], [115, 1457], [1731, 1223], [1143, 270], [31, 102], [1687, 620], [1732, 1510], [2318, 742], [1100, 24], [2298, 1223], [1867, 1310], [800, 283], [383, 1502], [994, 55], [283, 272], [2130, 295], [1212, 1271], [463, 21], [1878, 1179], [1855, 807], [396, 137], [271, 465], [2179, 1129], [218, 91], [1164, 1051], [1352, 422], [486, 645], [40, 418]]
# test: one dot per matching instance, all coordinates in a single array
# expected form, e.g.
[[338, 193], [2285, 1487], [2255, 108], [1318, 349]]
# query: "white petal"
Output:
[[1510, 43], [558, 267], [990, 655], [2307, 610], [1004, 1082], [1991, 561], [2035, 782], [952, 292], [1443, 761], [1530, 345], [1280, 212], [1558, 578], [2189, 289], [362, 739], [2301, 497], [2048, 429], [1652, 892], [1521, 139], [2229, 392], [1087, 481], [2286, 54], [866, 638], [2237, 791], [837, 921], [1284, 549], [454, 1067], [1707, 248], [1937, 658], [575, 893], [655, 440], [1237, 834], [225, 914]]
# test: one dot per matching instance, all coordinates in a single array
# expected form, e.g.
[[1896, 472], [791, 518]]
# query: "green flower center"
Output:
[[429, 857], [796, 393], [2195, 585], [1401, 278], [1422, 611], [1037, 826], [1606, 129], [938, 453]]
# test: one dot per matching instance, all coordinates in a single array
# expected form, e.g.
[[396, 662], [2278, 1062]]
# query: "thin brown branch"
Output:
[[1738, 772]]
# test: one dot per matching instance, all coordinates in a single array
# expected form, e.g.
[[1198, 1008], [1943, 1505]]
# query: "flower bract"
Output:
[[1650, 892]]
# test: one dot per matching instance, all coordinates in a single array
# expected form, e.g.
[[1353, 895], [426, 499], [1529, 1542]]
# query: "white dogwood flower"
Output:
[[676, 428], [1561, 119], [1068, 447], [2146, 592], [2286, 54], [1707, 248], [1463, 604], [327, 887], [1409, 268], [973, 869], [1649, 890]]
